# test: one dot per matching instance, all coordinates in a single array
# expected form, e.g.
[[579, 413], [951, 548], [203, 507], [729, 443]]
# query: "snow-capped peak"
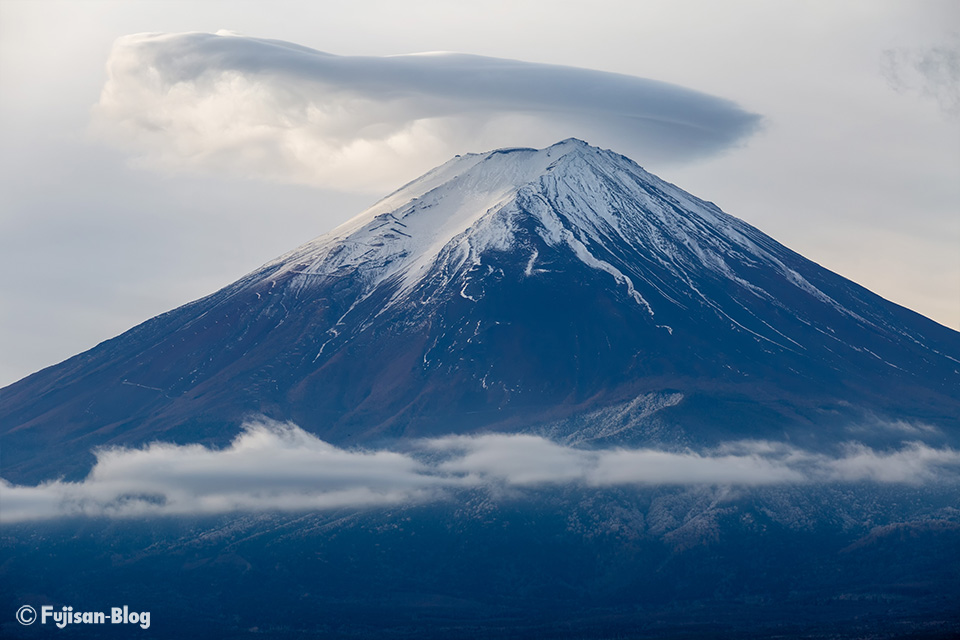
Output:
[[597, 203], [405, 231]]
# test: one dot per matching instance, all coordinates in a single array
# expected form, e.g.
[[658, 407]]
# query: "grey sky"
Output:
[[858, 175]]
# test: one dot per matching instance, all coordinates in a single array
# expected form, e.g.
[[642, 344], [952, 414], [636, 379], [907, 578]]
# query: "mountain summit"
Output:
[[564, 291]]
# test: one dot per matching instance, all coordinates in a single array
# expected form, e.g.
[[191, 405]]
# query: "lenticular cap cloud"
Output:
[[274, 109]]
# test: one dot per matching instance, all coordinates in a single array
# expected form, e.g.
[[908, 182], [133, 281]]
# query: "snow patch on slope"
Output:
[[650, 236]]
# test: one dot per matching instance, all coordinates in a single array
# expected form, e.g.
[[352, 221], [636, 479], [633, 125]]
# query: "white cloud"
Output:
[[270, 466], [916, 463], [516, 459], [274, 466], [932, 72], [525, 460], [276, 110], [653, 467]]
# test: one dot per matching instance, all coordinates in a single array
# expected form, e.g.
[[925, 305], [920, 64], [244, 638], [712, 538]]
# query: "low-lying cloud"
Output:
[[274, 466], [272, 109]]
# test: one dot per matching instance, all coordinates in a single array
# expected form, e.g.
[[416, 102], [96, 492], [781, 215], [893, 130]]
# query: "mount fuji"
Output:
[[562, 291], [531, 394]]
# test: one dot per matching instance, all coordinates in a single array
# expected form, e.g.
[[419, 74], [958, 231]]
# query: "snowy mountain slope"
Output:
[[564, 290], [613, 216]]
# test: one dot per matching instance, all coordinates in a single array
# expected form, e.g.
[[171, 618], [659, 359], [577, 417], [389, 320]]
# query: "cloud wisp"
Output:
[[274, 466], [933, 73], [272, 109]]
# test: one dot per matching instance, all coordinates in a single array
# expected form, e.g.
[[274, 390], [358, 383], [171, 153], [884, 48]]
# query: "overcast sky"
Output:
[[834, 127]]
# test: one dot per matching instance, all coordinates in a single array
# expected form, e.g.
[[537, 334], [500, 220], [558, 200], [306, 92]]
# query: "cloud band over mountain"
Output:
[[277, 110], [279, 467]]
